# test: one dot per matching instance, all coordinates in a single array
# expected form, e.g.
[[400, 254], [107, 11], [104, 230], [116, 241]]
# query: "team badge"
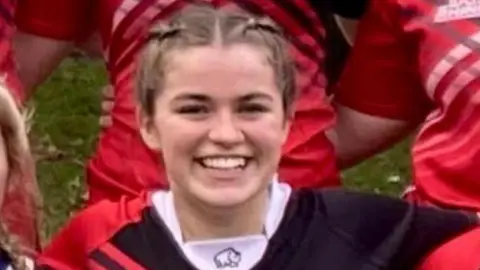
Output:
[[227, 258], [458, 10]]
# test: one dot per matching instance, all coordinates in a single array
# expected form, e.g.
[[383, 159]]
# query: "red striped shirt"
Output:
[[413, 62]]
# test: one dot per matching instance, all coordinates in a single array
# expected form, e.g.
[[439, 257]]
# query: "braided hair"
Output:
[[203, 25]]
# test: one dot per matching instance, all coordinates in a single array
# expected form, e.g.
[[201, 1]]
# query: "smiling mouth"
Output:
[[224, 162]]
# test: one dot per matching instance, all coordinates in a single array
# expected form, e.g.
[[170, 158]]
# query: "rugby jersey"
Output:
[[326, 229]]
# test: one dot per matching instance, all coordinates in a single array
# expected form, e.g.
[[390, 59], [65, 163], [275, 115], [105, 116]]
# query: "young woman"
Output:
[[215, 92], [16, 193]]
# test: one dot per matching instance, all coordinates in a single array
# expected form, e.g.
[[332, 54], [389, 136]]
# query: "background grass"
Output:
[[66, 127]]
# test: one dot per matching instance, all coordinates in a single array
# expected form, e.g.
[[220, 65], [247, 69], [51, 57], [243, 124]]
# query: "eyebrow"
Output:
[[205, 98], [252, 96], [195, 97]]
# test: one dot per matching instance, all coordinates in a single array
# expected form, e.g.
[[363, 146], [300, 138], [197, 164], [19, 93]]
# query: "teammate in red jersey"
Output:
[[19, 208], [122, 164], [416, 66]]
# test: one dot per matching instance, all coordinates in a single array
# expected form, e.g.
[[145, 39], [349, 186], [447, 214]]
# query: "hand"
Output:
[[107, 105]]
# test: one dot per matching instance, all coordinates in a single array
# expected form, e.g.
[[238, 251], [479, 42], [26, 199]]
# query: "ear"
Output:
[[148, 131]]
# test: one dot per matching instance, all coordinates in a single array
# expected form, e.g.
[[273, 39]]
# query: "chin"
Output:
[[226, 197]]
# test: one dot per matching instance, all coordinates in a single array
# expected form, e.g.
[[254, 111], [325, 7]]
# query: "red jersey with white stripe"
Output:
[[123, 164], [419, 61]]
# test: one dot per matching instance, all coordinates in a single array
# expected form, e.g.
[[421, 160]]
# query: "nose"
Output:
[[225, 131]]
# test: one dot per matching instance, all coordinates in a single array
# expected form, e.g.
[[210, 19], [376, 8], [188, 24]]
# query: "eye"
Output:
[[253, 108], [192, 109]]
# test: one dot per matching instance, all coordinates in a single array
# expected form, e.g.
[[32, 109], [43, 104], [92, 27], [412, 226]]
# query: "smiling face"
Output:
[[219, 122]]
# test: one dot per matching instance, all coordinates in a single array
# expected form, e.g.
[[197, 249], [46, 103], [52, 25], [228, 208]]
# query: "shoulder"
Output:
[[342, 202], [107, 217], [89, 229], [365, 218], [369, 218], [352, 211]]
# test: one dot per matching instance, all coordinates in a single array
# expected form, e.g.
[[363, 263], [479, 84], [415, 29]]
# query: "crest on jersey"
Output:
[[227, 258], [458, 10]]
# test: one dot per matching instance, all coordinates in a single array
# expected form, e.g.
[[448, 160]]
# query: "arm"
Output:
[[37, 57], [46, 35], [380, 98], [357, 136]]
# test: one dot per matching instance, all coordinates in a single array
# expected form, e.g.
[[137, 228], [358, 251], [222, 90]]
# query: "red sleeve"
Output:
[[381, 77], [57, 19], [87, 231], [69, 249]]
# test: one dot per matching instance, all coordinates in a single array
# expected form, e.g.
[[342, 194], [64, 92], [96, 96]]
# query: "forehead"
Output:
[[219, 67]]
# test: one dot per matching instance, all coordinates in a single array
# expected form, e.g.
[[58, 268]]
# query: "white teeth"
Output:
[[224, 162]]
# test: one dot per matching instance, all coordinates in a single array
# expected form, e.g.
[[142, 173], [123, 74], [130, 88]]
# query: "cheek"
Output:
[[268, 134], [178, 136]]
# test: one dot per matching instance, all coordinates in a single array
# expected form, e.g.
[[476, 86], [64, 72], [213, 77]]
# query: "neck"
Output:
[[200, 222]]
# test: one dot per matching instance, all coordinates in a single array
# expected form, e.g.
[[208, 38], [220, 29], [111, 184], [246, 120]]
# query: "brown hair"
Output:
[[203, 25], [19, 216]]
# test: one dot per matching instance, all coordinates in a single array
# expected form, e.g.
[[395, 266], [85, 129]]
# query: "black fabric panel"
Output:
[[396, 233], [147, 243], [352, 9], [335, 45], [105, 261]]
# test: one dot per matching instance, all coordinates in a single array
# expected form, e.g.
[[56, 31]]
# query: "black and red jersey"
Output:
[[329, 229]]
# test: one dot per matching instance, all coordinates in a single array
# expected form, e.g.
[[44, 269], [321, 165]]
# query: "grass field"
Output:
[[66, 126]]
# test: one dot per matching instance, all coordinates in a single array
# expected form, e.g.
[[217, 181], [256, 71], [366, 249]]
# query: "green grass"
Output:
[[66, 128]]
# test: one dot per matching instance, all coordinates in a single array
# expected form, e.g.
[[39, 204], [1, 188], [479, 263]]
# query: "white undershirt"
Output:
[[239, 253]]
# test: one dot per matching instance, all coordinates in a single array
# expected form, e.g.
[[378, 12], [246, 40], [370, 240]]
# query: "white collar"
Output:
[[209, 254]]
